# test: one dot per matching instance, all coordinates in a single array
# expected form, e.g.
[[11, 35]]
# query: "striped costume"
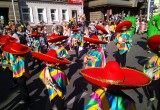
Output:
[[56, 77], [36, 46], [100, 100], [123, 47], [61, 51], [73, 42], [98, 58], [19, 67], [156, 62]]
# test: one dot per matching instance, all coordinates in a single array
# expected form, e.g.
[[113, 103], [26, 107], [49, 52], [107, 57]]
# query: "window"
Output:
[[40, 14], [53, 14], [64, 14], [26, 14]]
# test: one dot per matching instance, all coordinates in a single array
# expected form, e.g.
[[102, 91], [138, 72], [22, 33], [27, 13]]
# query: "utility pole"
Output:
[[15, 19], [148, 10]]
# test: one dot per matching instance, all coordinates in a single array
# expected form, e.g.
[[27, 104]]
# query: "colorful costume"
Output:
[[123, 47], [61, 51], [100, 100], [151, 65], [36, 45], [59, 78], [98, 58], [76, 40]]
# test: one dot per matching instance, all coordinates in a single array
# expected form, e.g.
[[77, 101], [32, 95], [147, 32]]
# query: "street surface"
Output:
[[79, 90]]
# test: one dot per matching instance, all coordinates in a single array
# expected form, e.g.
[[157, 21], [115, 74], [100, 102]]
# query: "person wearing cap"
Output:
[[113, 78], [76, 41], [123, 41], [95, 57], [55, 42], [19, 67], [152, 69], [54, 79]]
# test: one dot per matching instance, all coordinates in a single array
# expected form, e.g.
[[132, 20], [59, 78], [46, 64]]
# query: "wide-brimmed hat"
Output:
[[56, 38], [36, 34], [98, 27], [50, 56], [75, 29], [15, 48], [113, 74], [94, 39], [51, 36], [154, 42], [7, 39], [127, 24]]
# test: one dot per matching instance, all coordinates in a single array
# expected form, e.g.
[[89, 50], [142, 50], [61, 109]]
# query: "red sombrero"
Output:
[[7, 39], [126, 23], [55, 38], [98, 27], [94, 39], [154, 42], [36, 34], [112, 74], [15, 48], [75, 29], [52, 35], [50, 56]]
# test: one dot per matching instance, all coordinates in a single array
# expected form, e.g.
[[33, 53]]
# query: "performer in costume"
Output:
[[54, 79], [36, 47], [123, 41], [19, 67], [114, 78], [101, 35], [95, 57], [55, 44], [76, 41], [152, 69]]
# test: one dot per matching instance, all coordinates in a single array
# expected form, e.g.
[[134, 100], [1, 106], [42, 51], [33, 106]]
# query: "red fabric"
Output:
[[55, 38], [7, 39], [15, 48], [94, 39], [124, 23], [154, 42], [126, 77], [50, 56], [98, 27]]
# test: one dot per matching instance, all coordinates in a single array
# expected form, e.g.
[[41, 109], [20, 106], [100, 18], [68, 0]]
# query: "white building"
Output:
[[49, 11]]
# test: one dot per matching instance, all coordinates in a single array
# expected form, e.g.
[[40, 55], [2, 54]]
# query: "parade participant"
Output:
[[55, 44], [76, 41], [123, 41], [36, 47], [95, 57], [112, 77], [152, 69], [101, 35], [54, 79], [19, 67]]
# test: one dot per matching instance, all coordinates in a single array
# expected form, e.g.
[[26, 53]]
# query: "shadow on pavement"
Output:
[[142, 44], [142, 60], [80, 85]]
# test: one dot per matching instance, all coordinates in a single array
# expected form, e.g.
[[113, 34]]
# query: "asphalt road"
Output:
[[79, 90]]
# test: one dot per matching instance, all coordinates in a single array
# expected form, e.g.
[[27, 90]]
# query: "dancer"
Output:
[[123, 42], [54, 79], [19, 67], [114, 78]]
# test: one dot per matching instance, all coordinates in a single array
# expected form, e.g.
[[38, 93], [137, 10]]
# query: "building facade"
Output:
[[7, 12], [101, 9], [49, 11]]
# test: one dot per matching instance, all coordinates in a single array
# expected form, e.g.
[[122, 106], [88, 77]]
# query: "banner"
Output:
[[75, 1]]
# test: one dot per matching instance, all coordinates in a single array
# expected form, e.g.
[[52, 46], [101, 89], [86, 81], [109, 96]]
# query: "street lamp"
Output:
[[15, 19]]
